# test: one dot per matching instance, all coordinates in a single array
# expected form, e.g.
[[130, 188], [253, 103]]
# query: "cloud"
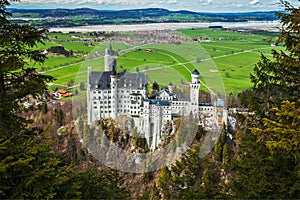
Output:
[[172, 2], [254, 2]]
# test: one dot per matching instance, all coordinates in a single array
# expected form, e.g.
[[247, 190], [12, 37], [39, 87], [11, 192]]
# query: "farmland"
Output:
[[86, 16], [225, 62]]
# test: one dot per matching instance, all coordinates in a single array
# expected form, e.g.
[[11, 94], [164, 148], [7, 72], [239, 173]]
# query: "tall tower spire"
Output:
[[114, 68], [110, 47], [114, 95], [110, 58], [194, 91]]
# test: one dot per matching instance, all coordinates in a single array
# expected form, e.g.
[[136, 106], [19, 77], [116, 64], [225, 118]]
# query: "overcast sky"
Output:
[[192, 5]]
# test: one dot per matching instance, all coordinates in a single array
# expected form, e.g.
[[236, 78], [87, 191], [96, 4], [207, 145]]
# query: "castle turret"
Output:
[[194, 91], [114, 89], [110, 58], [171, 87], [88, 97]]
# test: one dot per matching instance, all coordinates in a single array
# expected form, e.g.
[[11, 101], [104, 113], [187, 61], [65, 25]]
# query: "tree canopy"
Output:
[[278, 79], [267, 160], [28, 167]]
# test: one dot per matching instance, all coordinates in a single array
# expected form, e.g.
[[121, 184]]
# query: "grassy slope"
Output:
[[235, 57]]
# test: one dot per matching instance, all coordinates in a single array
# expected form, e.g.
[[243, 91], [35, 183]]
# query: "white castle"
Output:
[[111, 94]]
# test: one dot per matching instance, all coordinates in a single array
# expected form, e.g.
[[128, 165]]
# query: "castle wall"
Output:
[[154, 117], [109, 62], [128, 96], [180, 107], [100, 104]]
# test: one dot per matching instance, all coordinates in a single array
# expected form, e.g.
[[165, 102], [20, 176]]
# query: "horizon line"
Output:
[[34, 8]]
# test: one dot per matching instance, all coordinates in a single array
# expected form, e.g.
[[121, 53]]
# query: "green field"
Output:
[[224, 64]]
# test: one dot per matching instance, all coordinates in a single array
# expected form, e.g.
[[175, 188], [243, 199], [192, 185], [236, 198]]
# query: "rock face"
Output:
[[231, 128]]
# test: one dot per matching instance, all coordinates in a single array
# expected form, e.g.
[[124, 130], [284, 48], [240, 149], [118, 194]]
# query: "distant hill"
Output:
[[87, 16]]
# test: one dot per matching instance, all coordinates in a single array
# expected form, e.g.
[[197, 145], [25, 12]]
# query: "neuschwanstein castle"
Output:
[[112, 94]]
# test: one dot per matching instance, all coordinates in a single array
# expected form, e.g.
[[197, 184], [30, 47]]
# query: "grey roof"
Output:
[[133, 81], [195, 72], [125, 80], [164, 90], [110, 51], [159, 102]]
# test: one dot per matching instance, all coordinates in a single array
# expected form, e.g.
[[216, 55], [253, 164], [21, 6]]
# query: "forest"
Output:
[[39, 162]]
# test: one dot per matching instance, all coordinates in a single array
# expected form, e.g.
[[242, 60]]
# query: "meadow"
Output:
[[225, 63]]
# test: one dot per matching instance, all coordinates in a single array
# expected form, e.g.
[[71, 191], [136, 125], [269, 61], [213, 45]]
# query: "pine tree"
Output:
[[252, 165], [191, 178], [92, 184], [164, 183], [279, 79], [218, 148], [28, 169], [154, 193], [267, 164], [282, 133]]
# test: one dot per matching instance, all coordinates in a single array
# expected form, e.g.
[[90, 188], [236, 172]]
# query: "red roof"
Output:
[[67, 95], [62, 91]]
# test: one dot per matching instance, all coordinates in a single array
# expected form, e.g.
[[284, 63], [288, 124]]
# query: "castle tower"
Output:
[[194, 91], [109, 59], [171, 87], [88, 98], [114, 89]]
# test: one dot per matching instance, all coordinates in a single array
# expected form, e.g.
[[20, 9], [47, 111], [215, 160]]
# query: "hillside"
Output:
[[86, 16]]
